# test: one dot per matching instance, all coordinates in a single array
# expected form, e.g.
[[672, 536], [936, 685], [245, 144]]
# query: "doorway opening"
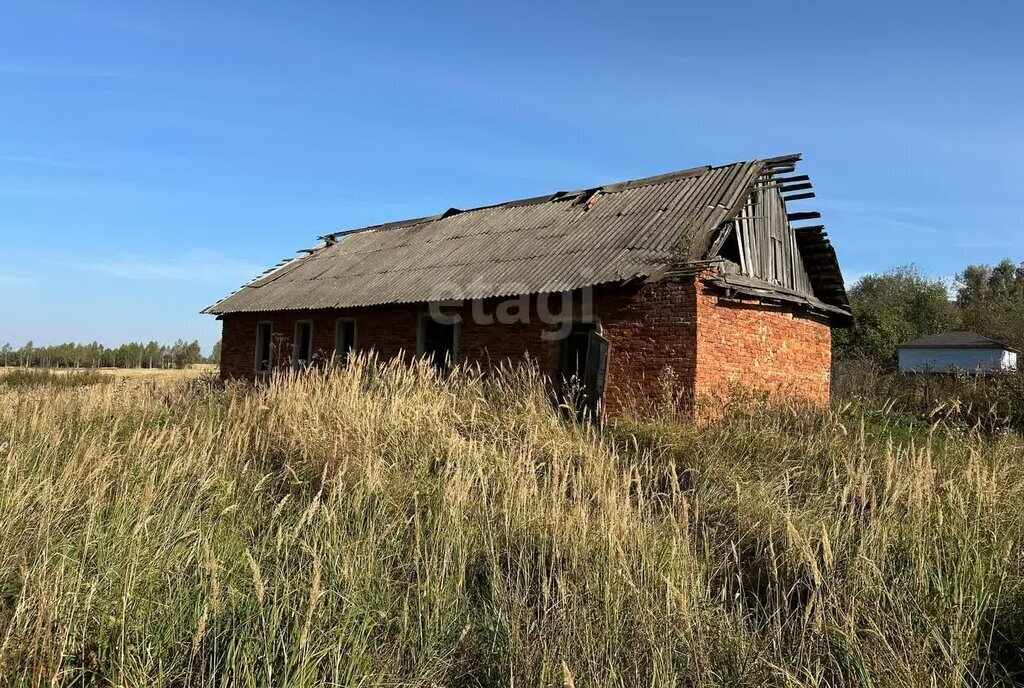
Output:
[[582, 369], [437, 341], [302, 345]]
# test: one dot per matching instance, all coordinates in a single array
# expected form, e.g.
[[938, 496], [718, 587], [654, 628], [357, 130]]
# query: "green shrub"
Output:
[[985, 403]]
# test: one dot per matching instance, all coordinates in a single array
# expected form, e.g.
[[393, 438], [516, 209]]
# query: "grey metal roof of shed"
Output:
[[560, 242], [956, 339]]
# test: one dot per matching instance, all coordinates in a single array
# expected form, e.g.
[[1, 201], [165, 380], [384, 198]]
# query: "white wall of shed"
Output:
[[944, 360]]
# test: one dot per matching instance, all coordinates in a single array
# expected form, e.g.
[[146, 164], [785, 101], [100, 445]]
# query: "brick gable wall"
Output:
[[744, 343]]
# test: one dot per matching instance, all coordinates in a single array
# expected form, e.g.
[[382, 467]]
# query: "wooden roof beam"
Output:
[[808, 215], [799, 197], [794, 187], [790, 159]]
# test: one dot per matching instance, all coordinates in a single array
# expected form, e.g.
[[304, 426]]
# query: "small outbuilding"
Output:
[[947, 352], [705, 279]]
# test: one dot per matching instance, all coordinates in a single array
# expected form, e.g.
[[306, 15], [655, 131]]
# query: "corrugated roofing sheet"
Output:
[[554, 243], [956, 339]]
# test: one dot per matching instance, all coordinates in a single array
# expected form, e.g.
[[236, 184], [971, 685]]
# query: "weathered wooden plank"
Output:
[[795, 187], [770, 249]]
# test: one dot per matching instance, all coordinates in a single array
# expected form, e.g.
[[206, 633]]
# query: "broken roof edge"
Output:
[[757, 288], [747, 286], [287, 262], [613, 187], [618, 281], [766, 171]]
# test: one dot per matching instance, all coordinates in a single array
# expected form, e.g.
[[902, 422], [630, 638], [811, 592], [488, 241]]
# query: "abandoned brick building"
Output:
[[701, 278]]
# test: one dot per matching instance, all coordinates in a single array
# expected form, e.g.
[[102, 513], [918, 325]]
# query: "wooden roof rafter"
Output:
[[815, 249]]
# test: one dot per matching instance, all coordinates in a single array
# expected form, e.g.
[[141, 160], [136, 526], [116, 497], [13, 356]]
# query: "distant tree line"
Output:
[[132, 355], [903, 304]]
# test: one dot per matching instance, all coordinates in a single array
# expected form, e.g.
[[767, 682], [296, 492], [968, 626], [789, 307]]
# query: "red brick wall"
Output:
[[490, 342], [389, 331], [652, 332], [652, 328], [783, 351]]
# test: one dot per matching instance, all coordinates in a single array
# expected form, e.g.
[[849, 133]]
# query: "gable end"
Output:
[[762, 249]]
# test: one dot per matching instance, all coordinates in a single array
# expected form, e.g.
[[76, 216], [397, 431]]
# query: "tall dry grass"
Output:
[[380, 527]]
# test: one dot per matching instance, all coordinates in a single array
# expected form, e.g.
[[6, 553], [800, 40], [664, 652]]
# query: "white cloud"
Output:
[[41, 191], [42, 162], [8, 279], [62, 72], [882, 212], [858, 206], [912, 226], [193, 266]]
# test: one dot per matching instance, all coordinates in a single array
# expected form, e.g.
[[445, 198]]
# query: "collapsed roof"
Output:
[[559, 242]]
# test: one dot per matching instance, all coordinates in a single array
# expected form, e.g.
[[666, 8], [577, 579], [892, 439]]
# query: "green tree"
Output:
[[991, 300], [151, 355], [892, 308]]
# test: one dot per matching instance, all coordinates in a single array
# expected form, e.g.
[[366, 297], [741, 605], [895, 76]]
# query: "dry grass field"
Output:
[[380, 527], [40, 379], [195, 370]]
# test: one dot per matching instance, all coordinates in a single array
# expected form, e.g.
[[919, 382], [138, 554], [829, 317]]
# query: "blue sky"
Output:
[[153, 158]]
